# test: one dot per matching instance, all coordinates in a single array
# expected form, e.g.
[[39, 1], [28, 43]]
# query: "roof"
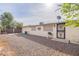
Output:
[[44, 24]]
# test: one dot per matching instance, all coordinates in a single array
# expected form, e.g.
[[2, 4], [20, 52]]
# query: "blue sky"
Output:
[[30, 13]]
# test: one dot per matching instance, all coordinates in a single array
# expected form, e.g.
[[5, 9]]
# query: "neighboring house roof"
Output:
[[43, 24]]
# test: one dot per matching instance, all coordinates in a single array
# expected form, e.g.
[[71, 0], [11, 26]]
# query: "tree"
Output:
[[71, 13], [19, 25], [6, 20]]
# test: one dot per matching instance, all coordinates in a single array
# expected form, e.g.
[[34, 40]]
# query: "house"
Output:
[[58, 30], [41, 30]]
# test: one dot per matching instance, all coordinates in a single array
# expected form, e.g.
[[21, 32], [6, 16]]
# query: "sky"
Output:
[[30, 13]]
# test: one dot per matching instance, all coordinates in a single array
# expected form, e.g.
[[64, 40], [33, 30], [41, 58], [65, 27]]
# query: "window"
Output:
[[39, 28], [48, 28]]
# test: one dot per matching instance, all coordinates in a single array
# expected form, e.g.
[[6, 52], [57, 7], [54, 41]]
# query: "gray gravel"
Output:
[[30, 45]]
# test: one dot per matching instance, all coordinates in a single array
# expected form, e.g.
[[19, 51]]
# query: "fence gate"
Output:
[[61, 31]]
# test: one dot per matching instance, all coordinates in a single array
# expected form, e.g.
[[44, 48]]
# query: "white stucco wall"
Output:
[[40, 33], [72, 34], [26, 29], [54, 31]]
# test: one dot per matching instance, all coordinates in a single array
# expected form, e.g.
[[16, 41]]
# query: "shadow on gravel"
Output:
[[71, 49]]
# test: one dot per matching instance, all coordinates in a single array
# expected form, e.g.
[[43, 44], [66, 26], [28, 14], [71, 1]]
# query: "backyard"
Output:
[[30, 45]]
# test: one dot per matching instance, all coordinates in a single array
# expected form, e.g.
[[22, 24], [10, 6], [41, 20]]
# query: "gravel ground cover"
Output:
[[30, 45]]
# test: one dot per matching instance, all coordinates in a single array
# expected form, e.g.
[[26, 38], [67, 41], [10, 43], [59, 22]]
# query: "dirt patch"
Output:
[[5, 49]]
